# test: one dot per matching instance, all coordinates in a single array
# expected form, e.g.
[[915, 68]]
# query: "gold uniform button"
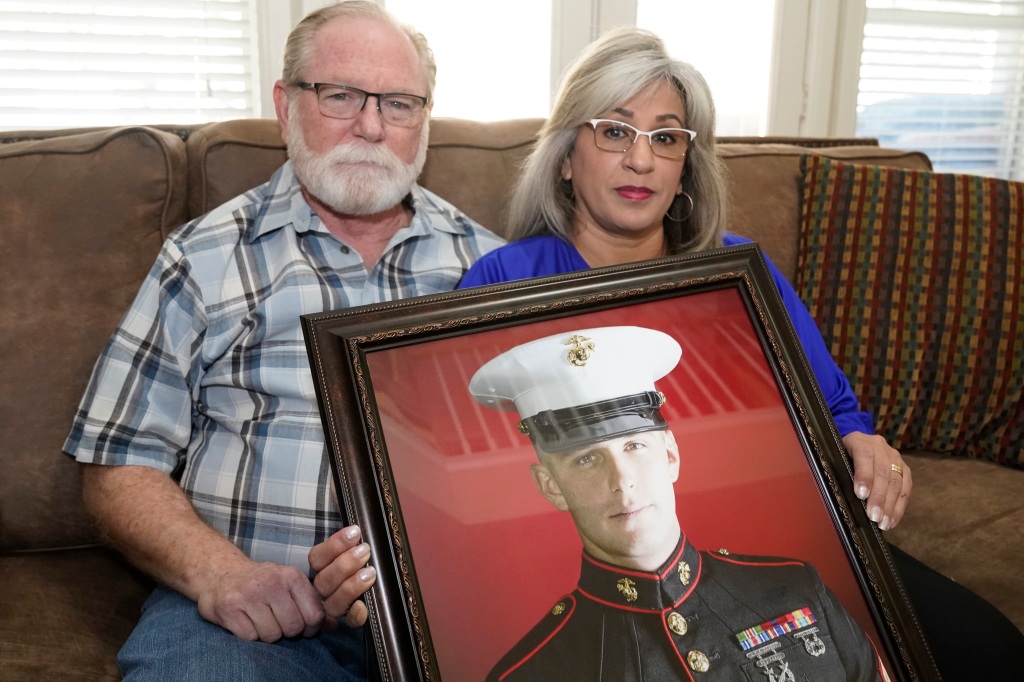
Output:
[[559, 609], [676, 623], [698, 662]]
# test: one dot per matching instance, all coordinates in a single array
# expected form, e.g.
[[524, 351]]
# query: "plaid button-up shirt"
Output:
[[207, 378]]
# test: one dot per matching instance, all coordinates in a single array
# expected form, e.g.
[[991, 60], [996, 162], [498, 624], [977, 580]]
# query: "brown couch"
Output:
[[82, 215]]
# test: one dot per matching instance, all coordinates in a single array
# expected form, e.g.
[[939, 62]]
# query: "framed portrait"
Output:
[[471, 557]]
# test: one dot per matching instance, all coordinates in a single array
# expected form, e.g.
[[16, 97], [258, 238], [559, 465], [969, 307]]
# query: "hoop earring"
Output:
[[668, 213]]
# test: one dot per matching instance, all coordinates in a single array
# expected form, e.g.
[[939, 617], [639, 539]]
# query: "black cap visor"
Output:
[[573, 428]]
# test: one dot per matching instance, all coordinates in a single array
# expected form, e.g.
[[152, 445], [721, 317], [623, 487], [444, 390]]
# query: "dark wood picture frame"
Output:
[[391, 405]]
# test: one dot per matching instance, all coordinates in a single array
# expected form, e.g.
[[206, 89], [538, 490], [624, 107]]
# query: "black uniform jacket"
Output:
[[702, 616]]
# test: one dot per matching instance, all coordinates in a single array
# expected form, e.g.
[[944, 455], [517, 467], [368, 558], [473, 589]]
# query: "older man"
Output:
[[649, 605], [199, 431]]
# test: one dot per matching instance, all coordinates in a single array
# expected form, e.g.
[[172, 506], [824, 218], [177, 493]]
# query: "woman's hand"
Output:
[[342, 575], [880, 476]]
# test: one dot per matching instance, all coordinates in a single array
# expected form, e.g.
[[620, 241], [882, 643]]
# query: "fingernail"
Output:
[[367, 573], [862, 491], [359, 551], [884, 525], [351, 533], [875, 514]]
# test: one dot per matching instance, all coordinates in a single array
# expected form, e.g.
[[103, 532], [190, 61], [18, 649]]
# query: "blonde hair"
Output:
[[298, 50], [611, 71]]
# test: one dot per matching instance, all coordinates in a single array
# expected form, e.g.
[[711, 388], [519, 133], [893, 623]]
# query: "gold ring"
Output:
[[898, 469]]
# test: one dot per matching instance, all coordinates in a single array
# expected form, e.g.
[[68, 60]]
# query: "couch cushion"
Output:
[[474, 165], [66, 614], [81, 220], [917, 280], [764, 190], [966, 520], [226, 159]]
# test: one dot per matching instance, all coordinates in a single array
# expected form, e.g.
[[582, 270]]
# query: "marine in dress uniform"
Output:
[[588, 397]]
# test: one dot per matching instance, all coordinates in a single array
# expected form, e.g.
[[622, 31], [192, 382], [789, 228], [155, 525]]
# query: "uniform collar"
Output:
[[632, 590]]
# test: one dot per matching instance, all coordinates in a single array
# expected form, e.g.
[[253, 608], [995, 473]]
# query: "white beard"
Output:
[[332, 178]]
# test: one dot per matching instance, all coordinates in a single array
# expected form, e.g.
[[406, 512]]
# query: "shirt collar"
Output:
[[632, 590], [286, 205]]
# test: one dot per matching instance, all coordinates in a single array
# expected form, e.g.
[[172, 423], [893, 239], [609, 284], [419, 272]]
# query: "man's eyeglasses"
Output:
[[343, 101], [616, 136]]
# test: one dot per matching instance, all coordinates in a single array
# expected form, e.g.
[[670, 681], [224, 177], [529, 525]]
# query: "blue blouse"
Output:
[[548, 255]]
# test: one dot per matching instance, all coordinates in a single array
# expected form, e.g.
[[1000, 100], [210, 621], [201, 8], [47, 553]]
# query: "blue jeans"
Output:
[[173, 642]]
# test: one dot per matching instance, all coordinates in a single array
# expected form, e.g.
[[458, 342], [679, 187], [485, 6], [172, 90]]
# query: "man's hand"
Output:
[[146, 515], [263, 601], [342, 575], [876, 481]]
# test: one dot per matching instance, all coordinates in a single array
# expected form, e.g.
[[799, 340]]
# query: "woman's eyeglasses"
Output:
[[616, 136]]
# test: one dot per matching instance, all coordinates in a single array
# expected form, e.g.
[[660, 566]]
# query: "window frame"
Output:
[[821, 41]]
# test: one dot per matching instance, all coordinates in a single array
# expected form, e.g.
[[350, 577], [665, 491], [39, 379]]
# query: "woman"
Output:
[[616, 178], [625, 169]]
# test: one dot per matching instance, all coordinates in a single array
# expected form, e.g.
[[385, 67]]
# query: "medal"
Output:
[[812, 643]]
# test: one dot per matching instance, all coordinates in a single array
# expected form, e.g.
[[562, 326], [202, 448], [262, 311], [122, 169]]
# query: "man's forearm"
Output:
[[146, 516]]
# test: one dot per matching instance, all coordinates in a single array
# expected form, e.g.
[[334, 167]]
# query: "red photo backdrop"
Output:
[[492, 556]]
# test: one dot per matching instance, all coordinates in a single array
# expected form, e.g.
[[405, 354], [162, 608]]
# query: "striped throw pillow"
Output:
[[917, 281]]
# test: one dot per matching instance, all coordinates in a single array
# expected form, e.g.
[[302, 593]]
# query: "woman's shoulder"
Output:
[[527, 245], [736, 240], [784, 285], [530, 257], [730, 239]]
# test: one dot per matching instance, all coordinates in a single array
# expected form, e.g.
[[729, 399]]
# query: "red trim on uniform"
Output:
[[647, 576], [696, 578], [670, 565], [679, 654], [620, 607], [572, 609], [757, 563]]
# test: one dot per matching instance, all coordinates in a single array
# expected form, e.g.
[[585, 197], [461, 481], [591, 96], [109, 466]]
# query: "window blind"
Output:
[[65, 63], [946, 77]]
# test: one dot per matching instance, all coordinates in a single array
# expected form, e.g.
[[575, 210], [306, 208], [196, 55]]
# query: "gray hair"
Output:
[[610, 71], [298, 50]]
